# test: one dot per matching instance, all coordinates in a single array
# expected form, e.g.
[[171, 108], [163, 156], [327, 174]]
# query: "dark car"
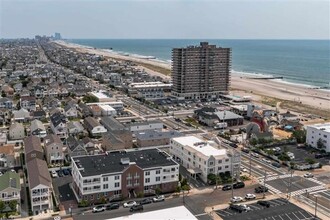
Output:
[[226, 187], [261, 189], [66, 172], [60, 173], [238, 185], [245, 150], [136, 208], [145, 201], [317, 156], [277, 165], [264, 203], [233, 145], [236, 208], [112, 206]]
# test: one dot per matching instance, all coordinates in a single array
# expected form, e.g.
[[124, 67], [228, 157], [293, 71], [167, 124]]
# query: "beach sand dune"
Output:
[[316, 98]]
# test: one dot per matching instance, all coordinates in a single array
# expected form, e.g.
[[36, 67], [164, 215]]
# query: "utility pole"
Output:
[[315, 206], [265, 176], [232, 174], [250, 157]]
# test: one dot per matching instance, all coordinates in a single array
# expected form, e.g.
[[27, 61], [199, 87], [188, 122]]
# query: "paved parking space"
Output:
[[280, 209]]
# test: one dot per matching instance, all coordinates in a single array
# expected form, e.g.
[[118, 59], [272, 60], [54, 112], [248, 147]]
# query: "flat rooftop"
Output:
[[100, 95], [106, 108], [111, 162], [179, 212], [200, 146], [325, 127], [149, 85]]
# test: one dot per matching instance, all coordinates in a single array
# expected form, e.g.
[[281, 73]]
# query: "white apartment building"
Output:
[[202, 158], [149, 90], [123, 174], [319, 133]]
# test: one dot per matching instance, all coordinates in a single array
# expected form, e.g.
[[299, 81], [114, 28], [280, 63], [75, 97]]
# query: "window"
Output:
[[117, 184], [157, 171], [173, 169], [116, 177], [219, 161], [211, 163], [157, 178], [98, 196], [148, 173], [227, 160], [105, 186], [105, 179], [219, 168], [147, 180], [211, 170], [226, 166]]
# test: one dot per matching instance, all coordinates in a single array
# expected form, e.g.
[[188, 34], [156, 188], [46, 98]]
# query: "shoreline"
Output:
[[279, 89]]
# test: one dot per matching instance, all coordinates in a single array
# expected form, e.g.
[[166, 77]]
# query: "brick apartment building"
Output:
[[123, 174]]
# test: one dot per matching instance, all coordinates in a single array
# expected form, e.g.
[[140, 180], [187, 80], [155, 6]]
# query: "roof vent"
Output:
[[124, 160]]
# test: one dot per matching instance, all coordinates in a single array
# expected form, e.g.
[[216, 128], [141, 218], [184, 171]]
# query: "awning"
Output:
[[194, 171]]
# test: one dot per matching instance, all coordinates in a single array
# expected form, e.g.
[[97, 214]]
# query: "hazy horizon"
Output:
[[166, 19]]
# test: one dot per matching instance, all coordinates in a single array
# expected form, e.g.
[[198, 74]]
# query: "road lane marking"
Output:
[[295, 215], [201, 214]]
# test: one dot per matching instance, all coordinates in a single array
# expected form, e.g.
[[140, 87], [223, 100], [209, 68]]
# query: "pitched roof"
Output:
[[7, 149], [112, 124], [16, 125], [91, 123], [38, 173], [57, 118], [10, 179], [73, 143], [32, 143], [52, 138], [36, 124]]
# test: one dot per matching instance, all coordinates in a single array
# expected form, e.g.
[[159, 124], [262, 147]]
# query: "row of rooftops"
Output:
[[118, 161]]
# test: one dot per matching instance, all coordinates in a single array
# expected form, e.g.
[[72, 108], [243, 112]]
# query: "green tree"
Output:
[[309, 161], [12, 205], [90, 98], [299, 135], [212, 178], [158, 190], [320, 144], [2, 206], [3, 94], [186, 188], [253, 141]]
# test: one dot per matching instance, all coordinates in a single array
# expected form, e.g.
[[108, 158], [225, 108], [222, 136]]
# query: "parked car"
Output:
[[255, 155], [308, 175], [54, 174], [245, 150], [129, 204], [236, 199], [250, 196], [317, 156], [277, 165], [60, 173], [238, 185], [264, 203], [226, 187], [244, 170], [99, 208], [261, 189], [159, 198], [237, 208], [66, 172], [246, 208], [233, 145], [112, 206], [145, 201], [136, 208]]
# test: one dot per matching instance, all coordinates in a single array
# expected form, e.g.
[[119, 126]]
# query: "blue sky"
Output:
[[192, 19]]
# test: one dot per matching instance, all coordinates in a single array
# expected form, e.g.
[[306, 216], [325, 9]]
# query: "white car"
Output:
[[159, 198], [236, 199], [129, 204], [250, 196], [308, 175], [54, 174], [245, 208], [244, 170], [99, 208]]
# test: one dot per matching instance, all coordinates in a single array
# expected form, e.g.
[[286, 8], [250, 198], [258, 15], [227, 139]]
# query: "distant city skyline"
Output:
[[166, 19]]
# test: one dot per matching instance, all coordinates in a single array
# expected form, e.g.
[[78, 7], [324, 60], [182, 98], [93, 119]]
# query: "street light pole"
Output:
[[315, 206], [264, 184]]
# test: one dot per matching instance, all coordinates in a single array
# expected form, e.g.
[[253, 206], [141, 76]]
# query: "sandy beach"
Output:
[[319, 99]]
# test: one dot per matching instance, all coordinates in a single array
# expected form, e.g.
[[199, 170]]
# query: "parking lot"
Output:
[[280, 209], [302, 153]]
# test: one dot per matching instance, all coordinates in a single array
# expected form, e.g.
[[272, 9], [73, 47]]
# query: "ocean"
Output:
[[304, 62]]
